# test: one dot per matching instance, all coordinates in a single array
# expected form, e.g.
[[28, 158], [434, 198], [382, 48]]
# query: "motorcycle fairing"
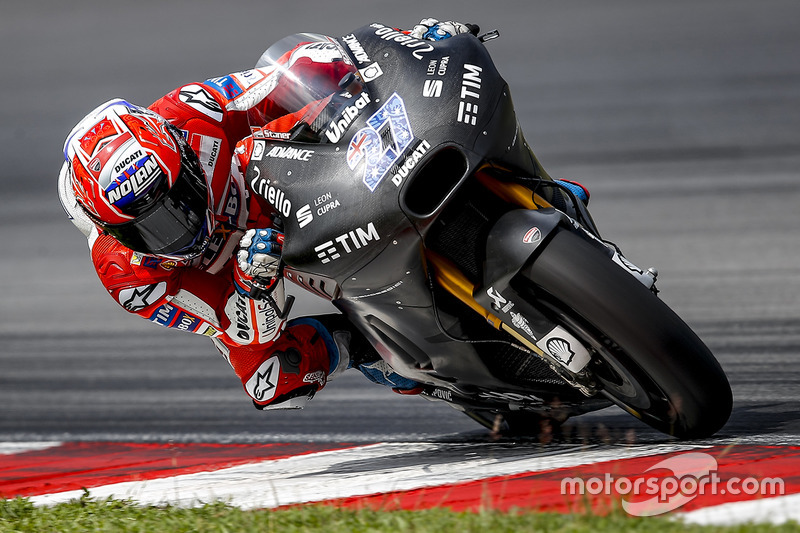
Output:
[[341, 232]]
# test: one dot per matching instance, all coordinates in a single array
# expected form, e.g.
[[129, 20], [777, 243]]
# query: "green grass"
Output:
[[87, 514]]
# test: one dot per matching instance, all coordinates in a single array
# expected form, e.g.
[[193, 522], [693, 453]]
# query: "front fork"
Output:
[[510, 244]]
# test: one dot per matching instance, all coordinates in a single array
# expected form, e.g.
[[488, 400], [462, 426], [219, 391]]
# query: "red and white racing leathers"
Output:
[[277, 364]]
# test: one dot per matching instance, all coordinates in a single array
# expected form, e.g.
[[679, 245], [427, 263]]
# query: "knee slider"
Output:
[[292, 370]]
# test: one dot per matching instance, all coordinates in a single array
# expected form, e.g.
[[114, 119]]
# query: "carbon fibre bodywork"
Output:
[[363, 227]]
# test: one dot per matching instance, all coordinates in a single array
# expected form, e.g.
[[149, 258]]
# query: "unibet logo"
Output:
[[337, 129]]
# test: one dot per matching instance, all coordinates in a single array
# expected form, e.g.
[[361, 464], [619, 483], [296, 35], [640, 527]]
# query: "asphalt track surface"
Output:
[[680, 117]]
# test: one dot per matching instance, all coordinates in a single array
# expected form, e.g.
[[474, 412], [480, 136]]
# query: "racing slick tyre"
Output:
[[644, 357]]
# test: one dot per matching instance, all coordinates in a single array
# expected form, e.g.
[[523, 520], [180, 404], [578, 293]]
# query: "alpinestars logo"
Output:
[[139, 298], [198, 98], [262, 384]]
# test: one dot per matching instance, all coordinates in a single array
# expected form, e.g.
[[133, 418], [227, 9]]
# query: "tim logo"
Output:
[[346, 243], [470, 94]]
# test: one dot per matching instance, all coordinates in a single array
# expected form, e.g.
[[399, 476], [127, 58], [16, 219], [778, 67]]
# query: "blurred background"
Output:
[[680, 117]]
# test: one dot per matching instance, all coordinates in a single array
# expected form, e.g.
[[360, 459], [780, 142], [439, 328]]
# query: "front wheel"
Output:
[[644, 357]]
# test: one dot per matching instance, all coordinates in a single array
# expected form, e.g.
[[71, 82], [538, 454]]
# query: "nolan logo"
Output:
[[140, 176]]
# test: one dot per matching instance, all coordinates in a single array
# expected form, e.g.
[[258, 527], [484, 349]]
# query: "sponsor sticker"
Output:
[[135, 180], [511, 397], [315, 377], [290, 152], [227, 85], [371, 72], [378, 146], [258, 150], [346, 243], [533, 236], [565, 348], [419, 47], [349, 114], [356, 48], [304, 216], [138, 298], [470, 94], [411, 160], [200, 99], [262, 384], [164, 315], [269, 134], [271, 192]]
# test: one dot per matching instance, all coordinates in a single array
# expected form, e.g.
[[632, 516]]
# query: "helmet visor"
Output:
[[175, 224]]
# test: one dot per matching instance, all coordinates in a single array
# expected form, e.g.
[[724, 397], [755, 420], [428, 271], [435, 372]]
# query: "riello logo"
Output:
[[346, 243]]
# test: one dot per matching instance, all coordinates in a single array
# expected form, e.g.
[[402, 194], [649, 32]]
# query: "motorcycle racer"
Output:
[[176, 238]]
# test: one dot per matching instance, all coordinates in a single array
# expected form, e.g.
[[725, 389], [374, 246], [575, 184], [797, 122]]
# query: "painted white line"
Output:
[[776, 510], [373, 469], [12, 448]]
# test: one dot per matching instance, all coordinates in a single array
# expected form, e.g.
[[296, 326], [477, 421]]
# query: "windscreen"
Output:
[[316, 81]]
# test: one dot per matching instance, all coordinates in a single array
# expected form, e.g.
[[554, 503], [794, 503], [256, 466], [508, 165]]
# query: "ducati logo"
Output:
[[533, 236]]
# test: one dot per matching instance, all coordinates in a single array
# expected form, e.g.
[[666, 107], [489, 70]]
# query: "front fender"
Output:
[[512, 241]]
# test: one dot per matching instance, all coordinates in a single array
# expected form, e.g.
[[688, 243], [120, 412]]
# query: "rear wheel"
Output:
[[644, 357]]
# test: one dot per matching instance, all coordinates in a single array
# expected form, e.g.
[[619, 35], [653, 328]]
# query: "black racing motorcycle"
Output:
[[410, 199]]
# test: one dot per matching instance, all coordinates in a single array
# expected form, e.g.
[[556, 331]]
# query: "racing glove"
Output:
[[257, 262], [432, 30]]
